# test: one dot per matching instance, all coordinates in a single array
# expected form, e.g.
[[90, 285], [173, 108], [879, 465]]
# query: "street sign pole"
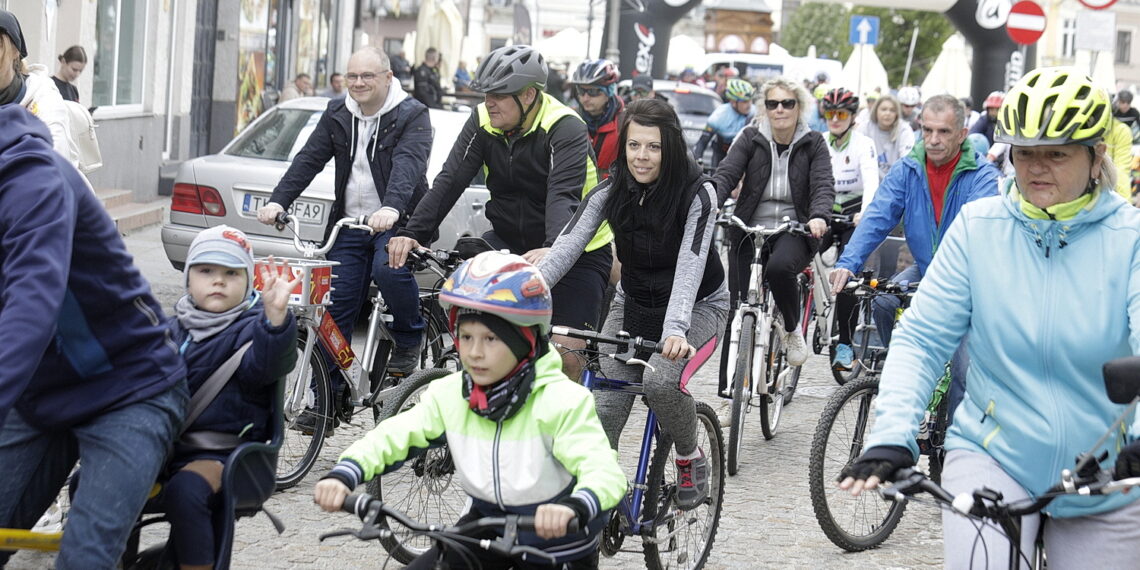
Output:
[[910, 56]]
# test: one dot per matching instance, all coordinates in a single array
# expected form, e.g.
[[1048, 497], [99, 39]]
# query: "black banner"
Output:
[[645, 28], [522, 25]]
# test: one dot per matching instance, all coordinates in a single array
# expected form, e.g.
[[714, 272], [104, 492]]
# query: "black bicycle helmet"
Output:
[[600, 72], [510, 69]]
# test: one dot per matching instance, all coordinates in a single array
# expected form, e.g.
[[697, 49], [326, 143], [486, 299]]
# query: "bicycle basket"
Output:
[[315, 283]]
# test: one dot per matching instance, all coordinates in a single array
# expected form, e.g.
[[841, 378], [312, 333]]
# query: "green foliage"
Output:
[[821, 25], [826, 26]]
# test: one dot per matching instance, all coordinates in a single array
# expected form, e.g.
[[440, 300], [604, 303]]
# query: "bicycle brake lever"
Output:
[[640, 362], [336, 533]]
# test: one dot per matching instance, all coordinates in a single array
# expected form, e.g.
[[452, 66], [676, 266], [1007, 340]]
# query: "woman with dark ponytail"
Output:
[[72, 62], [662, 210]]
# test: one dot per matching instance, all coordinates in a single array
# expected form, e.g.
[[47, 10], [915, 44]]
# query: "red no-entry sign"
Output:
[[1098, 4], [1026, 22]]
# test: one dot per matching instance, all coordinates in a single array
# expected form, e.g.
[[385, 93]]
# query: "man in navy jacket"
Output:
[[89, 367], [380, 140]]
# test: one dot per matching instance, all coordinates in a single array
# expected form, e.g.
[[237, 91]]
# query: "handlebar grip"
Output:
[[357, 504], [280, 221]]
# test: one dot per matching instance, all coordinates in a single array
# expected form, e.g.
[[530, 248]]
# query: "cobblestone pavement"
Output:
[[767, 520]]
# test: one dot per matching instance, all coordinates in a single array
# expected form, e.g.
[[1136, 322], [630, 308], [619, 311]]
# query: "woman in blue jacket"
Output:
[[1045, 279]]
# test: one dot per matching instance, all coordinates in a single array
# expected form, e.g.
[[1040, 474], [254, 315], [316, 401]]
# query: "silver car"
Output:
[[229, 187]]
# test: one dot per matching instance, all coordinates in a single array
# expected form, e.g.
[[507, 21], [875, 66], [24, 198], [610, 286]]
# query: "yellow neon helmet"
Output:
[[1054, 106]]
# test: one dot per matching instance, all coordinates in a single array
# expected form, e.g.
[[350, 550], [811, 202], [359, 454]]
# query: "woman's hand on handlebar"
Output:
[[267, 214], [817, 226], [329, 494], [855, 219], [839, 278], [875, 465], [550, 520], [676, 347], [398, 249]]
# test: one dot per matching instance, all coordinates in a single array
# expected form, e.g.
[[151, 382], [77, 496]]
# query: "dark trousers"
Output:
[[784, 257]]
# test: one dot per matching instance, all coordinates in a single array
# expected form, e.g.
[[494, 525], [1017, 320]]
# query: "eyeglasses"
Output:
[[366, 77], [771, 104], [641, 92], [838, 115], [590, 91]]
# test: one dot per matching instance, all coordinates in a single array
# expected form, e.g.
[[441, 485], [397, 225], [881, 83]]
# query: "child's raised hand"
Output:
[[275, 290]]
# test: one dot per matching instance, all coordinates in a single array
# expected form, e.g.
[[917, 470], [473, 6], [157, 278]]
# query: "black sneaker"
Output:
[[404, 360], [306, 423]]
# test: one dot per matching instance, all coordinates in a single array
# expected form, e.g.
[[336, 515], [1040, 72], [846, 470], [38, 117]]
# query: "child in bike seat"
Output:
[[220, 313], [525, 439]]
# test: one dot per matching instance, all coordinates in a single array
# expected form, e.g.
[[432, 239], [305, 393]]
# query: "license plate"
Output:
[[306, 211]]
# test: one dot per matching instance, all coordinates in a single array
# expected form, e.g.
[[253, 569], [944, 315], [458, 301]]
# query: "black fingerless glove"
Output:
[[1128, 462], [880, 461]]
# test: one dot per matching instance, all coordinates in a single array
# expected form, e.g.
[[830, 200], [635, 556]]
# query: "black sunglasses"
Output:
[[771, 104]]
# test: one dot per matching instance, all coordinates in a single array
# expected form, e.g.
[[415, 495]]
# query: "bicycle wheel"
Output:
[[741, 390], [425, 487], [299, 451], [437, 338], [772, 391], [683, 539], [851, 523]]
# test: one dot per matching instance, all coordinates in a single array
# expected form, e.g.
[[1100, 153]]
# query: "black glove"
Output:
[[880, 461], [1128, 462]]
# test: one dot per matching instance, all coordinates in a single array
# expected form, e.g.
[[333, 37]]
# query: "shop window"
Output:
[[120, 61]]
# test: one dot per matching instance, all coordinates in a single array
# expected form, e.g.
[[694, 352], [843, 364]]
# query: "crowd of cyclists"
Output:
[[1019, 272]]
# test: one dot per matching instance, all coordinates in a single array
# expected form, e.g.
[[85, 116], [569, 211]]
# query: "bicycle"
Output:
[[754, 330], [462, 539], [308, 388], [859, 523], [1122, 382], [671, 537]]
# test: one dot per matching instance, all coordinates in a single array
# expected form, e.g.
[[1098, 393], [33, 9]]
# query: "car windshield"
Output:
[[692, 103], [278, 136]]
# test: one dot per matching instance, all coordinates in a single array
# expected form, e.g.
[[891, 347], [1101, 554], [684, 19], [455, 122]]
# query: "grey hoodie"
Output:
[[360, 197]]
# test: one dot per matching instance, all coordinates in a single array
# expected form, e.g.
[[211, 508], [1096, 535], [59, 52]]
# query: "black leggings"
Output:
[[784, 257], [844, 302]]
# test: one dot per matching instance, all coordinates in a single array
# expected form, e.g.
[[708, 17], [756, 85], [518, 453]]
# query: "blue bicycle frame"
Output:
[[630, 505]]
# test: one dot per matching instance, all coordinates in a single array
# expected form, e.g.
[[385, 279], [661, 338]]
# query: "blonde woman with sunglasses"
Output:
[[787, 173]]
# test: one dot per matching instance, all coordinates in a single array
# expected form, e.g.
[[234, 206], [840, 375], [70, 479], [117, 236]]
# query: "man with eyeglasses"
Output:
[[727, 120], [925, 190], [379, 139], [537, 161], [642, 88], [595, 89]]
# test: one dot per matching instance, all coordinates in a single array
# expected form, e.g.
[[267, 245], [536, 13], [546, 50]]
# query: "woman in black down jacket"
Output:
[[787, 172]]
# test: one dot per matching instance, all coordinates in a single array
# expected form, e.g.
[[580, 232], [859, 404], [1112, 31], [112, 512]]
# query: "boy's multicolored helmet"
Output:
[[1054, 106], [501, 284], [738, 90]]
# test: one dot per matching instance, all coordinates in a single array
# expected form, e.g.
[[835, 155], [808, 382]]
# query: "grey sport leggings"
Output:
[[1104, 540], [665, 386]]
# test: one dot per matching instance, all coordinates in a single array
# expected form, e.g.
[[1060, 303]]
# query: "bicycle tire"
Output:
[[851, 523], [772, 404], [741, 390], [437, 337], [299, 452], [683, 550], [425, 487]]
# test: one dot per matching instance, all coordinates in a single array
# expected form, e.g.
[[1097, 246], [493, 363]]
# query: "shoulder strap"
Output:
[[212, 386]]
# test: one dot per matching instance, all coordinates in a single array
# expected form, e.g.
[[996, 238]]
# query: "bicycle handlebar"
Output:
[[310, 250], [865, 284], [629, 346], [788, 225], [369, 510]]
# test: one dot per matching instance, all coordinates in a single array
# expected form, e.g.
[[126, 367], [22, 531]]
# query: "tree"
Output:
[[895, 30], [821, 25], [825, 25]]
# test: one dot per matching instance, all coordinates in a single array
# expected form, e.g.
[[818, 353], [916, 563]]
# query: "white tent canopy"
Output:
[[440, 25], [567, 46], [951, 71], [684, 52], [1104, 74], [863, 71]]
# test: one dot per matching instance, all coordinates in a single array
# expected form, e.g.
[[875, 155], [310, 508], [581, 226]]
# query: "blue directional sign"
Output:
[[864, 30]]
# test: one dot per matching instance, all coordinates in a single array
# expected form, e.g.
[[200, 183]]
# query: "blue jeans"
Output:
[[363, 260], [121, 452], [883, 310]]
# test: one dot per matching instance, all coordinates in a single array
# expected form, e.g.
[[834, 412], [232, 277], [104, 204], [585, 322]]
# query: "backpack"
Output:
[[85, 143]]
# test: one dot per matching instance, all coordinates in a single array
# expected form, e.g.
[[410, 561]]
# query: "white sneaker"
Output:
[[795, 348]]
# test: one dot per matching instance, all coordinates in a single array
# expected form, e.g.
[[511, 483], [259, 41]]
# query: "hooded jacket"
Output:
[[904, 196], [245, 402], [536, 178], [42, 98], [81, 333], [552, 450], [751, 157], [398, 156], [1046, 304]]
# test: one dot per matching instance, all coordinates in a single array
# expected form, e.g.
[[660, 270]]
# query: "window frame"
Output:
[[114, 109]]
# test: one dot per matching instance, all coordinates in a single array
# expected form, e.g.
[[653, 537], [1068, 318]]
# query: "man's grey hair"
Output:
[[944, 102], [385, 63]]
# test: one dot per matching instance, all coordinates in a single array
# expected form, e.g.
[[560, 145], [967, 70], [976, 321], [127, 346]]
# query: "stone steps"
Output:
[[128, 214]]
